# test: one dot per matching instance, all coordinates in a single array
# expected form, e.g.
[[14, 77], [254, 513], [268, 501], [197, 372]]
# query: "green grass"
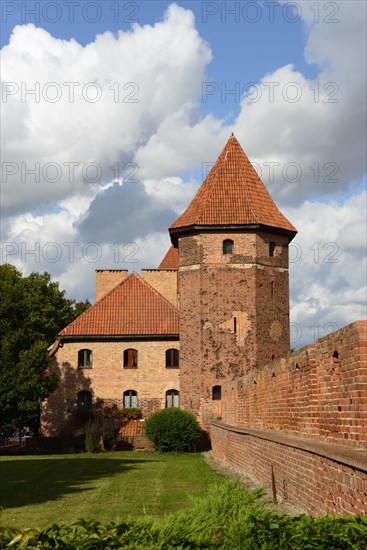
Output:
[[37, 491]]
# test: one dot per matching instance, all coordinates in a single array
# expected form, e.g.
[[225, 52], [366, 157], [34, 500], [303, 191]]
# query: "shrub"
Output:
[[100, 432], [228, 517], [93, 437], [173, 430], [109, 433]]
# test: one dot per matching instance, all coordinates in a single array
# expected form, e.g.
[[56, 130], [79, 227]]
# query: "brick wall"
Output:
[[107, 279], [317, 480], [234, 311], [311, 393], [306, 418], [164, 281], [108, 380]]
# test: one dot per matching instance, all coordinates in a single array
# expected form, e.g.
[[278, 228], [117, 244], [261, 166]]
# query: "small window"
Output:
[[217, 393], [271, 249], [228, 246], [172, 359], [130, 399], [130, 359], [172, 398], [84, 359], [84, 400]]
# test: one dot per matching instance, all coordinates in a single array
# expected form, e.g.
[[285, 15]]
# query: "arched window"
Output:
[[172, 398], [271, 249], [84, 400], [130, 399], [217, 393], [172, 359], [228, 246], [84, 359], [130, 359]]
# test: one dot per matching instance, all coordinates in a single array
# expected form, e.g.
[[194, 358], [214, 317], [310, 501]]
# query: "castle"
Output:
[[209, 331]]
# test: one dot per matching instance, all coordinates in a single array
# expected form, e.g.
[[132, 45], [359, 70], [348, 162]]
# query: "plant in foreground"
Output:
[[229, 517]]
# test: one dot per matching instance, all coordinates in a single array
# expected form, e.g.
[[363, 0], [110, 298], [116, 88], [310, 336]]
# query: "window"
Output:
[[271, 249], [84, 400], [172, 398], [217, 393], [172, 359], [130, 359], [84, 359], [130, 399], [228, 246]]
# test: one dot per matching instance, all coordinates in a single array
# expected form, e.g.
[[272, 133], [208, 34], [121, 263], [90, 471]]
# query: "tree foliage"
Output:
[[33, 310]]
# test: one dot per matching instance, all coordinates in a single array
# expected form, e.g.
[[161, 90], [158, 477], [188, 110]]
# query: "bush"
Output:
[[173, 430], [92, 437], [100, 432], [228, 517], [109, 433]]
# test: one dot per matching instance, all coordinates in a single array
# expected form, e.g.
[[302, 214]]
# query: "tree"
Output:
[[33, 310]]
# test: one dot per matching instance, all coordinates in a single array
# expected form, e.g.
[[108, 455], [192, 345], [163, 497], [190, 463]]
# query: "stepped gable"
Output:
[[171, 260], [132, 308], [232, 195]]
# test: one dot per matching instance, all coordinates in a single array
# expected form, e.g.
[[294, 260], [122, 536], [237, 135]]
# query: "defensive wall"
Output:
[[299, 425]]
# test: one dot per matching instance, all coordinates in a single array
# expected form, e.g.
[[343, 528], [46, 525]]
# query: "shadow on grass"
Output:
[[40, 480]]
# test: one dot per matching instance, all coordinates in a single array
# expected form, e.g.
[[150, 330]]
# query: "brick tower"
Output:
[[233, 281]]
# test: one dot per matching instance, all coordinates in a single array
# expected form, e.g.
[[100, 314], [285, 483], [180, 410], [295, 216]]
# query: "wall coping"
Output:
[[355, 457]]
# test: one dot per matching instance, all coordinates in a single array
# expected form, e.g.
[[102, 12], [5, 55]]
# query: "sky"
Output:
[[113, 112]]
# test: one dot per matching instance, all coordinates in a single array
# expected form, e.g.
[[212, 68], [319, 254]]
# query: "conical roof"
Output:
[[170, 260], [232, 195], [133, 307]]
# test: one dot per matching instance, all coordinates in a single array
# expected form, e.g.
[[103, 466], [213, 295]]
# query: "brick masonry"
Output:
[[311, 393], [321, 400], [163, 280], [108, 379], [234, 312], [107, 279], [315, 483]]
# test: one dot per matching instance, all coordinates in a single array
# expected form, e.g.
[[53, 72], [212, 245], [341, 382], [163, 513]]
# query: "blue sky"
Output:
[[288, 78]]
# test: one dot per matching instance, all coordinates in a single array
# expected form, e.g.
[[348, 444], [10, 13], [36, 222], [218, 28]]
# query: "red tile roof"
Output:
[[132, 308], [232, 194], [171, 260]]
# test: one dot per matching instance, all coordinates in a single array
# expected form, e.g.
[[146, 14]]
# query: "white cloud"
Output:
[[328, 266], [142, 77], [165, 136]]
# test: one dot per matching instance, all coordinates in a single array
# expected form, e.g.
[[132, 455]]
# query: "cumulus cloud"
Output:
[[113, 170], [327, 267], [93, 105]]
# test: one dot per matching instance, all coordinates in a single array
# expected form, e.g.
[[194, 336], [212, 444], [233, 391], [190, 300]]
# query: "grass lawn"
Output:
[[36, 491]]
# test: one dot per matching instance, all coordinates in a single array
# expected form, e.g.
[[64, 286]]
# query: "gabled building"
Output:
[[221, 292]]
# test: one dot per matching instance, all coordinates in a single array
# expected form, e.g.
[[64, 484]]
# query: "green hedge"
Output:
[[228, 517], [173, 430]]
